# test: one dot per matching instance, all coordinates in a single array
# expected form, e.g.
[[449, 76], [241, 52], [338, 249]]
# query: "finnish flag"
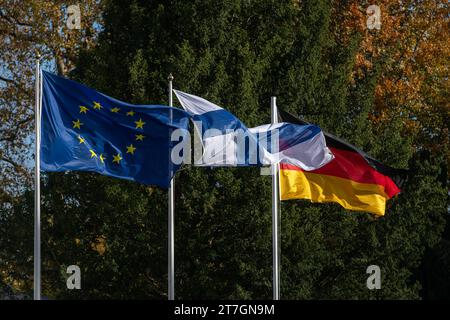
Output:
[[226, 141]]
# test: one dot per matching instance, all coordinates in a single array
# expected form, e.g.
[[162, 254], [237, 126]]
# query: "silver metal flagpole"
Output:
[[275, 217], [171, 238], [37, 189]]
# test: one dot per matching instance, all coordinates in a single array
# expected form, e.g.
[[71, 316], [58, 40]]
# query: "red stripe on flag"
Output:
[[351, 165]]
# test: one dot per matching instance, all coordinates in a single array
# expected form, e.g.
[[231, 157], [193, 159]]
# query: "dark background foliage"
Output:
[[236, 54]]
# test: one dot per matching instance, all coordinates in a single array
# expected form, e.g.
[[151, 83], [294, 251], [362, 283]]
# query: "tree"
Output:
[[237, 54], [28, 28], [411, 47]]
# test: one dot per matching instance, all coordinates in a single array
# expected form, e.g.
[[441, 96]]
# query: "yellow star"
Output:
[[139, 124], [83, 109], [81, 139], [130, 149], [102, 158], [130, 113], [97, 105], [93, 154], [115, 110], [117, 158], [77, 124], [140, 137]]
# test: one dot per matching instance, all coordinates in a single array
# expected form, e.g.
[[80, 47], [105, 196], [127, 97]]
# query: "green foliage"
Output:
[[236, 54]]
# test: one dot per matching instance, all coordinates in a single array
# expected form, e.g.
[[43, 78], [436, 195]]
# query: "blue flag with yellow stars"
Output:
[[85, 130]]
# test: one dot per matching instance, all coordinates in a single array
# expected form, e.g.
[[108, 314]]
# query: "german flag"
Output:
[[353, 179]]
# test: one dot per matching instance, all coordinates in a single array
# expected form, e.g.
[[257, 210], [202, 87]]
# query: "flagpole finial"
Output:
[[38, 55], [170, 77]]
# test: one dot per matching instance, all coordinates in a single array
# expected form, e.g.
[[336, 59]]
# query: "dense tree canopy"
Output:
[[321, 62]]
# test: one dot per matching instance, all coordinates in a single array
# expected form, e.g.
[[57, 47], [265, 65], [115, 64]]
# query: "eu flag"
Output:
[[85, 130]]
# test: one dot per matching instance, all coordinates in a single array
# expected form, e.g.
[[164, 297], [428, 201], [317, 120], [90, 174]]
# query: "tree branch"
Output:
[[11, 162], [20, 123], [19, 36], [14, 20], [7, 80]]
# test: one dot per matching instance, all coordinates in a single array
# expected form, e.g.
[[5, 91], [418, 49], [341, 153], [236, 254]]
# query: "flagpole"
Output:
[[275, 217], [37, 189], [171, 236]]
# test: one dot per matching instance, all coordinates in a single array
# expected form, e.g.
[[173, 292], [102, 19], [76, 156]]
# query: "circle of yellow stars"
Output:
[[116, 159]]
